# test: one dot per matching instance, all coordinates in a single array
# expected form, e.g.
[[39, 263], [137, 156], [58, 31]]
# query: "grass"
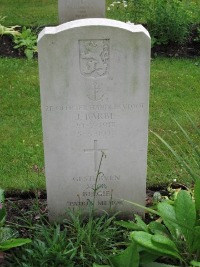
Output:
[[174, 90], [77, 242], [21, 134], [29, 13]]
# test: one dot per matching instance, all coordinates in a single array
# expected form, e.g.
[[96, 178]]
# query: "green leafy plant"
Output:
[[176, 232], [129, 10], [8, 30], [27, 41], [173, 237], [168, 21], [7, 235], [197, 38]]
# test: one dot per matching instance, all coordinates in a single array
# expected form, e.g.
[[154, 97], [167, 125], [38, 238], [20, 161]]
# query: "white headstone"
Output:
[[79, 9], [94, 79]]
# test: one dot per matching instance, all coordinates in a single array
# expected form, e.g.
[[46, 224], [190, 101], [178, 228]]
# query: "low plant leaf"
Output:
[[97, 265], [164, 242], [2, 215], [158, 228], [129, 225], [1, 196], [196, 240], [185, 215], [142, 207], [197, 194], [28, 53], [141, 223], [157, 264], [167, 213], [6, 233], [8, 30], [129, 258], [195, 263], [12, 243], [147, 257], [156, 244]]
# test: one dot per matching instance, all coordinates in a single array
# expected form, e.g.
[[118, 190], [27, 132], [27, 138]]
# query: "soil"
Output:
[[7, 47], [23, 208]]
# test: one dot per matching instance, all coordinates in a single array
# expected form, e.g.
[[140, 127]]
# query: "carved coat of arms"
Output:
[[94, 57]]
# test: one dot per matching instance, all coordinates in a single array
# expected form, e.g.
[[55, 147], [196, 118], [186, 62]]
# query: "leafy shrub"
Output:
[[27, 41], [197, 38], [129, 10], [8, 30], [168, 21]]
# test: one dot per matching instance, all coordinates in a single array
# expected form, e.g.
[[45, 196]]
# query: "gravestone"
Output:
[[94, 80], [79, 9]]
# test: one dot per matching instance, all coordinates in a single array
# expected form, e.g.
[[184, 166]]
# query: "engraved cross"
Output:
[[95, 150]]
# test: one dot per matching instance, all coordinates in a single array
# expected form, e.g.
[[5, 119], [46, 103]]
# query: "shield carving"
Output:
[[94, 57]]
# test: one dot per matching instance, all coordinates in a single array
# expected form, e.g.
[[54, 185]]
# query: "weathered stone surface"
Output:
[[80, 9], [94, 79]]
